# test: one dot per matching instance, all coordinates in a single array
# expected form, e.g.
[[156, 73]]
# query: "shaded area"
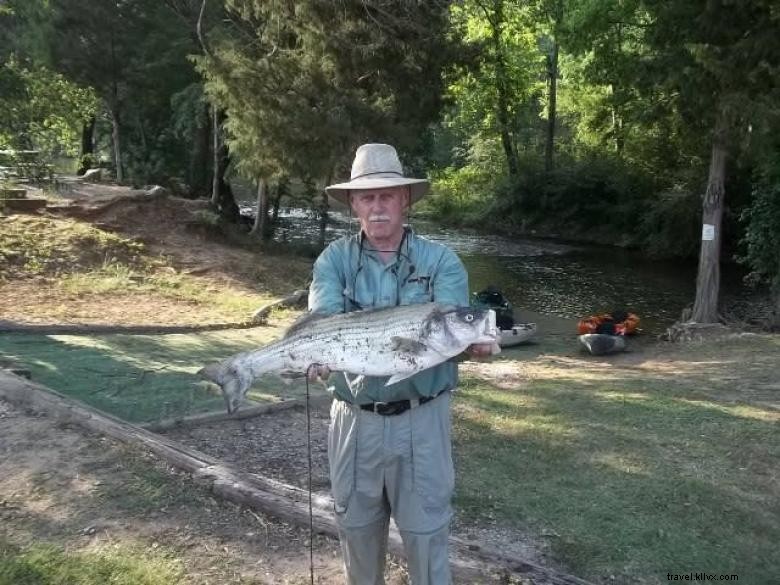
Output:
[[140, 378], [630, 472]]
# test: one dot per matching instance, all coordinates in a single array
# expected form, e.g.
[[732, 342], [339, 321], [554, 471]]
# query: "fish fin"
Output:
[[407, 345], [303, 321], [398, 377]]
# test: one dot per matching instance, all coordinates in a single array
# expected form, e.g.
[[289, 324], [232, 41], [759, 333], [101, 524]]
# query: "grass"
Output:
[[46, 246], [84, 259], [630, 473], [140, 378], [118, 564], [123, 561], [123, 278]]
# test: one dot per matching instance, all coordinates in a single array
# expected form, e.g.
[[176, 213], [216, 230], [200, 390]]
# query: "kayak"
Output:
[[511, 333], [615, 323], [602, 343], [520, 333]]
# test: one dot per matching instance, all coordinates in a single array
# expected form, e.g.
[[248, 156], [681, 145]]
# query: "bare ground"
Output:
[[64, 487]]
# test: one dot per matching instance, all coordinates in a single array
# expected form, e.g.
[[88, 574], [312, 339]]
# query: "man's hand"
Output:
[[482, 350], [317, 372]]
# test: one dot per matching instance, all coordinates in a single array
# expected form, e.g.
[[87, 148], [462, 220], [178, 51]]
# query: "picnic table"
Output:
[[25, 164]]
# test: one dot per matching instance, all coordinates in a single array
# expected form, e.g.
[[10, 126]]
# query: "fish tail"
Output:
[[232, 380], [210, 373]]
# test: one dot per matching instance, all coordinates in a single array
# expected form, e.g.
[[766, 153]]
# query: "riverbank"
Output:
[[616, 469], [606, 275]]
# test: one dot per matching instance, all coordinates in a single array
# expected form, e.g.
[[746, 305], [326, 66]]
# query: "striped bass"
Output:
[[396, 342]]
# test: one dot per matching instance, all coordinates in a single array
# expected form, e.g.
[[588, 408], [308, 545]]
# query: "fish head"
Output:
[[452, 330]]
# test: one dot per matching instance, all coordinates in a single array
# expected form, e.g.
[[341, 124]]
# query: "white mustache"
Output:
[[378, 218]]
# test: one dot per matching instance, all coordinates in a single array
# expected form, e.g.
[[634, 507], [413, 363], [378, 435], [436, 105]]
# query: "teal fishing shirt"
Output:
[[349, 276]]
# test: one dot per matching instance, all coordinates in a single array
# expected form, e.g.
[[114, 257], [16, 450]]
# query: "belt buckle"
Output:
[[390, 408], [384, 408]]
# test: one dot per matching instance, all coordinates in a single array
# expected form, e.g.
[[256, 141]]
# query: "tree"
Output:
[[94, 44], [304, 84], [762, 225], [722, 61], [495, 93], [551, 15], [133, 53], [40, 109]]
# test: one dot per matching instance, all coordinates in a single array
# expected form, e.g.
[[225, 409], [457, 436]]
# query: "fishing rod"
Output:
[[308, 451]]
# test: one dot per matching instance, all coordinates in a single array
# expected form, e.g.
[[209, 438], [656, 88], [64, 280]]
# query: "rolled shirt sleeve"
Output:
[[327, 286], [450, 285]]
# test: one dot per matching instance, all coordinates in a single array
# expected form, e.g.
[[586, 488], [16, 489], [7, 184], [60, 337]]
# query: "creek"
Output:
[[548, 277]]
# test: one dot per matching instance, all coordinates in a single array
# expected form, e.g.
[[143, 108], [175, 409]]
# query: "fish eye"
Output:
[[468, 317]]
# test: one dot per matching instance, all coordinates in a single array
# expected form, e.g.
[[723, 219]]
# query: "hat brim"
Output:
[[340, 192]]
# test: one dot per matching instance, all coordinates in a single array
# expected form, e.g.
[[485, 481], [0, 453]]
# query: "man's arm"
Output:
[[451, 282], [326, 296], [326, 289]]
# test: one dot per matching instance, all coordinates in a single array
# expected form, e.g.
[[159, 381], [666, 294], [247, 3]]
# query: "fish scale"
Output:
[[396, 342]]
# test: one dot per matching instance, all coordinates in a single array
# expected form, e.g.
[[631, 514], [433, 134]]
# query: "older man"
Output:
[[389, 446]]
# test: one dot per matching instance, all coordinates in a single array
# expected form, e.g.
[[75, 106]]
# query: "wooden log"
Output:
[[294, 300], [246, 412], [22, 204], [97, 328], [469, 559]]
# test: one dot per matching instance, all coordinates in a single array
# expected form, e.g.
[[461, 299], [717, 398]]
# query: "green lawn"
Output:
[[117, 565], [633, 472], [141, 378]]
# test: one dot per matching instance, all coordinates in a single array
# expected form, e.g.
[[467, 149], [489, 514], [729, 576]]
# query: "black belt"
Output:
[[397, 406]]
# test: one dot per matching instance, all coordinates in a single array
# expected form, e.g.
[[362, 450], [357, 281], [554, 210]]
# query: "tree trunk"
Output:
[[617, 131], [221, 193], [323, 217], [503, 115], [115, 139], [705, 307], [260, 226], [774, 324], [198, 175], [618, 122], [215, 179], [87, 158], [552, 84], [281, 191]]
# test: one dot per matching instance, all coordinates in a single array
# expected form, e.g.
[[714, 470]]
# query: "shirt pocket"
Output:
[[416, 292]]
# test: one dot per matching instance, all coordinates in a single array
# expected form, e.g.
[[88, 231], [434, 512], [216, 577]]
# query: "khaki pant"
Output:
[[393, 465]]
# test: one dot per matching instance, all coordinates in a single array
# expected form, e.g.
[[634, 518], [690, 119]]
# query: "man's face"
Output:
[[381, 212]]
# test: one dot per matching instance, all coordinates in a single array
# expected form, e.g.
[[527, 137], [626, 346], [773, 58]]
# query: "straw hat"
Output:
[[377, 166]]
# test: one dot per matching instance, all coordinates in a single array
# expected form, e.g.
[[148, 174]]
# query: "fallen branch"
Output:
[[246, 412], [295, 300], [86, 328]]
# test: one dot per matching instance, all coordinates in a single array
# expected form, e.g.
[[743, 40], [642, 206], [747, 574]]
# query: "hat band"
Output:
[[383, 175]]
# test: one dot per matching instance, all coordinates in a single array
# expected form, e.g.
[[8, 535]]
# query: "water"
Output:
[[547, 277]]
